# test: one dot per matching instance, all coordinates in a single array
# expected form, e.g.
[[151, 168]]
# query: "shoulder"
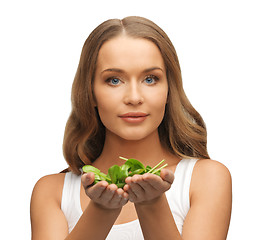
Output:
[[50, 181], [49, 188], [207, 166], [47, 218], [210, 199], [210, 176]]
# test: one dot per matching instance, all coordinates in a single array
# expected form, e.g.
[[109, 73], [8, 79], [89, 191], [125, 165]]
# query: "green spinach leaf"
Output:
[[118, 174]]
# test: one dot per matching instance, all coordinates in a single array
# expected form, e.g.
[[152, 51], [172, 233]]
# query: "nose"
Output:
[[133, 94]]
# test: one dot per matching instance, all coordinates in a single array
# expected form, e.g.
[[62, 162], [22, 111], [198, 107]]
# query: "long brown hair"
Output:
[[182, 130]]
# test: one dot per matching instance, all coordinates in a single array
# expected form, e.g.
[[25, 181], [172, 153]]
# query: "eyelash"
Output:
[[155, 78], [110, 79]]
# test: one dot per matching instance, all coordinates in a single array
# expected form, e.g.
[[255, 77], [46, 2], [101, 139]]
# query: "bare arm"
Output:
[[102, 211], [95, 223], [209, 214], [49, 223], [47, 219], [211, 202]]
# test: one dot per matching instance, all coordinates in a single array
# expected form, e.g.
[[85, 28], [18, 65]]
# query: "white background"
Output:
[[216, 42]]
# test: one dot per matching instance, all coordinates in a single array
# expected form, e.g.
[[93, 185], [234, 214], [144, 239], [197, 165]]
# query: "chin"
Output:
[[132, 134], [132, 138], [135, 135]]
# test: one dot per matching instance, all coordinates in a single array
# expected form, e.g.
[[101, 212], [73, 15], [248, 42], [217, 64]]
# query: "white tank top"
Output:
[[177, 196]]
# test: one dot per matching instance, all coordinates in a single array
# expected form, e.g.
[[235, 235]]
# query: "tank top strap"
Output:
[[184, 172], [70, 204], [178, 194]]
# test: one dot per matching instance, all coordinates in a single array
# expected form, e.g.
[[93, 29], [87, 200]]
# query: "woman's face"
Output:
[[130, 87]]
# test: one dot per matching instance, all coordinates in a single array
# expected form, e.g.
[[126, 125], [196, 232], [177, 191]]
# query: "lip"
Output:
[[134, 114], [134, 117]]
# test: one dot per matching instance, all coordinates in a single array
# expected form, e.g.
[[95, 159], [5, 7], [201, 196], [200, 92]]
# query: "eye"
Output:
[[150, 80], [113, 81]]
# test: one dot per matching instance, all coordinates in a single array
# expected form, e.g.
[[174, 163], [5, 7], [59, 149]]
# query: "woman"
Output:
[[128, 100]]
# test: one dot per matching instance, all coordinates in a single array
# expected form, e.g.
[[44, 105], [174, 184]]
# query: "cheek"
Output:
[[158, 106], [159, 100], [106, 106], [101, 98], [105, 115]]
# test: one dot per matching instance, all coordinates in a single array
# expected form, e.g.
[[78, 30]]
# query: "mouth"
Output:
[[134, 117]]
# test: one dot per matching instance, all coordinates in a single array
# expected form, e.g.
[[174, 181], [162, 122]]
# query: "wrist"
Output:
[[150, 203], [103, 208]]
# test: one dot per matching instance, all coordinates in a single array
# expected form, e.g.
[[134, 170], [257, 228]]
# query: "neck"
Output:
[[148, 150]]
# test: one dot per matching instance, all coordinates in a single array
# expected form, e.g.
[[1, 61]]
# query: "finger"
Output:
[[136, 187], [125, 196], [146, 186], [87, 179], [97, 190], [128, 180], [155, 181], [124, 201], [126, 187], [167, 175], [131, 196], [117, 197], [108, 194]]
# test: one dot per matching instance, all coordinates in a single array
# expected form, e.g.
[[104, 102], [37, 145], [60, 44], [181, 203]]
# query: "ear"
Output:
[[167, 98], [94, 100], [94, 103]]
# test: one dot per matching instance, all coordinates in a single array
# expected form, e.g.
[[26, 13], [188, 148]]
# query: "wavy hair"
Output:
[[182, 130]]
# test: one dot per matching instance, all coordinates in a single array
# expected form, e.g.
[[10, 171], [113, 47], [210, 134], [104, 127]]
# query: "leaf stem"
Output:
[[151, 170], [123, 158], [160, 168], [108, 179]]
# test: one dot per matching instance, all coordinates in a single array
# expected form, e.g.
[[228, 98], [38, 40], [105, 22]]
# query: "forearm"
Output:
[[157, 221], [95, 223]]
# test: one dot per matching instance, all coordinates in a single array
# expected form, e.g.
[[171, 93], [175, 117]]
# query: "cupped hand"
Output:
[[148, 187], [107, 196]]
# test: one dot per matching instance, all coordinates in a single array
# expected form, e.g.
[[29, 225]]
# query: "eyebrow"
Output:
[[118, 70]]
